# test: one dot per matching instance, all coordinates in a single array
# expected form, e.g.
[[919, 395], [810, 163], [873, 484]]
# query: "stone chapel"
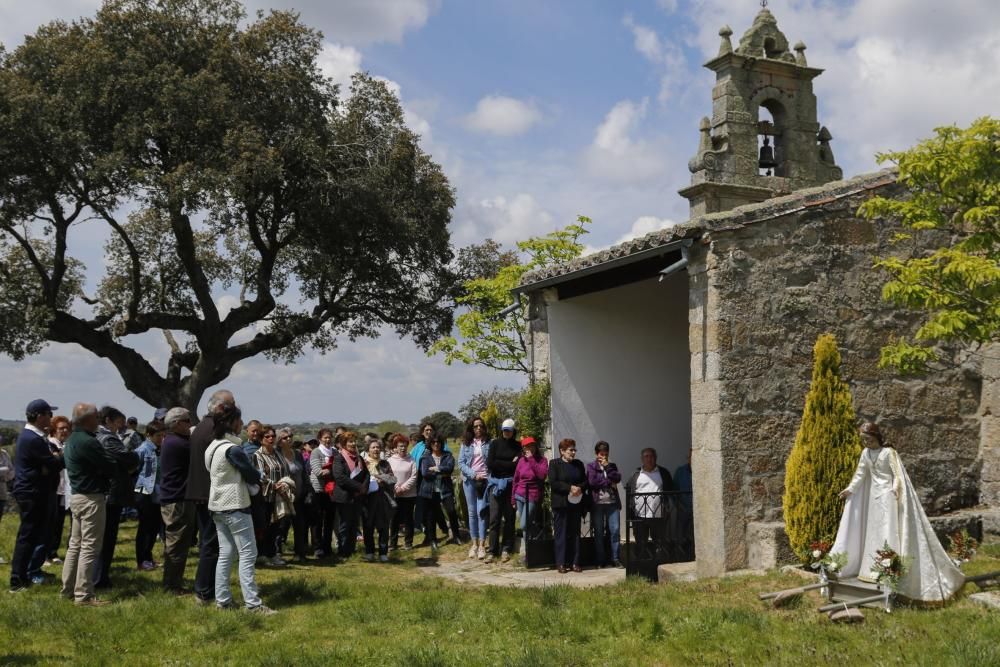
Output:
[[699, 337]]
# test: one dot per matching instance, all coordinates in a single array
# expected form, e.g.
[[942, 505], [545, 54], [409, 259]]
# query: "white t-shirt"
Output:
[[648, 507]]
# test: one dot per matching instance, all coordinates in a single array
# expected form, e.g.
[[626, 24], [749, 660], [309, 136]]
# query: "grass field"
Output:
[[358, 613]]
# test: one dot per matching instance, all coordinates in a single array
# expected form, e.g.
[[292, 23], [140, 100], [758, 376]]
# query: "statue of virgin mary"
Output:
[[883, 508]]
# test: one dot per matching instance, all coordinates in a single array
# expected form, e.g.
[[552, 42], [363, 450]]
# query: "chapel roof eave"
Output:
[[715, 223]]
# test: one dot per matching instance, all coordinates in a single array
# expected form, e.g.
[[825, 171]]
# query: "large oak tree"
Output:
[[218, 160]]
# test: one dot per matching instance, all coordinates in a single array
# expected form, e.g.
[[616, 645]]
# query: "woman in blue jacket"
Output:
[[437, 488]]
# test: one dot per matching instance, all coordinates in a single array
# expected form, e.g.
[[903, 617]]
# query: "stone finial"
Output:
[[697, 163], [725, 46], [705, 128], [800, 53], [825, 152]]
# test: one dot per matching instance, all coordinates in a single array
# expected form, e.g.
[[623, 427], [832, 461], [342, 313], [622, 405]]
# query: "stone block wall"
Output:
[[777, 284]]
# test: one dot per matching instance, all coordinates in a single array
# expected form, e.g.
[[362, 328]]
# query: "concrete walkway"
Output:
[[476, 573]]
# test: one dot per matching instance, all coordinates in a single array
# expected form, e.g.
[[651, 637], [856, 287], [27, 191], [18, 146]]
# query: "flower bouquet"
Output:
[[889, 567], [828, 564], [961, 547]]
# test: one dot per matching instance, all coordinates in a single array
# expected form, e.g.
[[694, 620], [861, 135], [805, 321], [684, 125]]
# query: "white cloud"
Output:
[[339, 63], [643, 225], [616, 154], [503, 116], [503, 219], [665, 55], [359, 22]]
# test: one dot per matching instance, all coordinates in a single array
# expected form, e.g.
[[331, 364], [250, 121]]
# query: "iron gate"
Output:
[[659, 528]]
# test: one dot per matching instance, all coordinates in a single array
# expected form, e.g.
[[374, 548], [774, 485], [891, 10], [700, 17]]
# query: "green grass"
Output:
[[400, 614]]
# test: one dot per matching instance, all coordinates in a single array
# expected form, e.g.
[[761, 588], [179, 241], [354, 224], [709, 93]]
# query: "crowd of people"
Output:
[[239, 501]]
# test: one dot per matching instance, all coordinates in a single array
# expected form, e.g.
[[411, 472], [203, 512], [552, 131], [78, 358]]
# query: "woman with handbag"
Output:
[[568, 479]]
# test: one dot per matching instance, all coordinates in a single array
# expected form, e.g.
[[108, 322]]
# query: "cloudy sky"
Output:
[[539, 111]]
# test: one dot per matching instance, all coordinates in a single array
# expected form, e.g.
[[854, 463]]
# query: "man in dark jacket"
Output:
[[35, 468], [112, 421], [198, 487], [90, 467], [178, 512], [500, 464]]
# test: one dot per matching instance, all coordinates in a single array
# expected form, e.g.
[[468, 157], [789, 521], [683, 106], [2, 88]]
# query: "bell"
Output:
[[766, 160]]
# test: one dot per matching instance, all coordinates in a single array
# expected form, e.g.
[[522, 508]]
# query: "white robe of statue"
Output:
[[884, 508]]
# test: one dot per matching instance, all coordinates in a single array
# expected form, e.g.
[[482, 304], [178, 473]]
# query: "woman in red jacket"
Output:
[[529, 485]]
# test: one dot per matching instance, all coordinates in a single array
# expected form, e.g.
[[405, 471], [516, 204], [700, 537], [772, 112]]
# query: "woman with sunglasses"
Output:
[[472, 462], [272, 467]]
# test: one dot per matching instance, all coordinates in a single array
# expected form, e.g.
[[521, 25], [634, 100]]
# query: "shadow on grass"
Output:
[[287, 591]]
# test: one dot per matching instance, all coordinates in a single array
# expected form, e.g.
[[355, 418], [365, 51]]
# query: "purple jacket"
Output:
[[604, 480], [529, 478]]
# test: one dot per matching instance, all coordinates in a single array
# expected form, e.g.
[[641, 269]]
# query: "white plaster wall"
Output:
[[621, 370]]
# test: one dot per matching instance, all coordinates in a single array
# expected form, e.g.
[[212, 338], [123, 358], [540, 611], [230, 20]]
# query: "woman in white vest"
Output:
[[234, 480]]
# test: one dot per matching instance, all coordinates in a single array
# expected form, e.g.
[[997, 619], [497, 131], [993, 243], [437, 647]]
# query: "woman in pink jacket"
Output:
[[529, 487]]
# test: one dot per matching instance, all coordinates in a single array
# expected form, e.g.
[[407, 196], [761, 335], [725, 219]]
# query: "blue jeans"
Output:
[[236, 540], [598, 514], [477, 507], [527, 514]]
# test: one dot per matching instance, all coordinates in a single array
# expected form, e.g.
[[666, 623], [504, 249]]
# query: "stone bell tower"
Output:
[[763, 139]]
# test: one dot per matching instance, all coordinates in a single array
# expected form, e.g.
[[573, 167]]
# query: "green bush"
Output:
[[533, 411], [824, 456]]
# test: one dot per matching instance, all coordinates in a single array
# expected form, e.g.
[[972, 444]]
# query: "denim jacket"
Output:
[[465, 454], [148, 483]]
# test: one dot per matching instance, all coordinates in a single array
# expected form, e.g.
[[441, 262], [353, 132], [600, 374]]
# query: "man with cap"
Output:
[[501, 461], [36, 472]]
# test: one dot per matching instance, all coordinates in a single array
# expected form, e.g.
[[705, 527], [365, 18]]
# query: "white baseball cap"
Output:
[[508, 425]]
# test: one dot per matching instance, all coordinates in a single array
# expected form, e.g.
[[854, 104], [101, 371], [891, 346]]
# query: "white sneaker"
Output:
[[262, 610], [481, 552], [370, 558], [384, 558], [473, 550], [278, 561]]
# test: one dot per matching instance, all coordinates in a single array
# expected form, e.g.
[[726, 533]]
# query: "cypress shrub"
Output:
[[825, 454], [491, 420]]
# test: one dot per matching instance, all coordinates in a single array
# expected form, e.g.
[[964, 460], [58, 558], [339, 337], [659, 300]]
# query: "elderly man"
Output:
[[112, 422], [177, 511], [255, 433], [90, 468], [36, 470], [198, 487]]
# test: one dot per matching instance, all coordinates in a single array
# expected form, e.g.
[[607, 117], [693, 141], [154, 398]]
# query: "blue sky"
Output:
[[539, 111]]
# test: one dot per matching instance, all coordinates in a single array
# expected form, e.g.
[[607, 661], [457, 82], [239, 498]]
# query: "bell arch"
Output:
[[771, 145]]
